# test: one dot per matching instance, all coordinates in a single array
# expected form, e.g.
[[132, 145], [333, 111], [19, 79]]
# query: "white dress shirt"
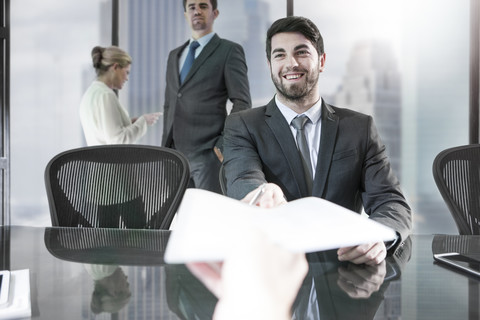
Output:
[[105, 121], [312, 128]]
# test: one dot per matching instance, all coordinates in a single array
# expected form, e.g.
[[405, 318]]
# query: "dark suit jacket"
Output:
[[198, 106], [352, 170]]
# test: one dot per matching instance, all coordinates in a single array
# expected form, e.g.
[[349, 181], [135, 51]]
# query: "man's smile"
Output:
[[293, 76]]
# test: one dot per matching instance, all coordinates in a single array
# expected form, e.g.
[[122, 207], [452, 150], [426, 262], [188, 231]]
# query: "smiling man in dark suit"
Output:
[[202, 75], [334, 153]]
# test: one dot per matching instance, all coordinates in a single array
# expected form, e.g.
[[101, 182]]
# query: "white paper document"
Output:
[[208, 226], [19, 304]]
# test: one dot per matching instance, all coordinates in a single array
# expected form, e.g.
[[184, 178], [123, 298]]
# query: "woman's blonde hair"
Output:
[[103, 58]]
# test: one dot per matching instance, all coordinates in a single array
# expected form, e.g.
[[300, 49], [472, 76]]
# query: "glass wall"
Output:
[[50, 69], [406, 63]]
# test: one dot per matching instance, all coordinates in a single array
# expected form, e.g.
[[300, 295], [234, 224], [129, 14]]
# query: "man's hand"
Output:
[[370, 254], [361, 281], [271, 197], [218, 153]]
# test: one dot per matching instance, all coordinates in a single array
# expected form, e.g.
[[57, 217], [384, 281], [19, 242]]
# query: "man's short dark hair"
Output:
[[295, 24], [212, 2]]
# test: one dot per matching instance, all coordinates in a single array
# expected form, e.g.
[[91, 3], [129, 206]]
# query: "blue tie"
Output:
[[189, 61]]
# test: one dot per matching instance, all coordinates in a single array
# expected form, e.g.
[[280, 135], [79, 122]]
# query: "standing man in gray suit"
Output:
[[202, 75], [333, 153]]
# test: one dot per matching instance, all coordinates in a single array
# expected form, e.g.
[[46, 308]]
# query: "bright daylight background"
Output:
[[404, 62]]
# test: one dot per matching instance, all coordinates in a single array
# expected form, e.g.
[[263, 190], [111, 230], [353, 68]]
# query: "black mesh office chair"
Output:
[[107, 246], [457, 174], [116, 186]]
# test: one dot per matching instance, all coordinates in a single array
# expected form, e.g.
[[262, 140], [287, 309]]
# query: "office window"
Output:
[[414, 55], [150, 29], [406, 63], [50, 69]]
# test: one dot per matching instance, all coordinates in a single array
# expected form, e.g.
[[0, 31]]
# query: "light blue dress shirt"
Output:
[[203, 41]]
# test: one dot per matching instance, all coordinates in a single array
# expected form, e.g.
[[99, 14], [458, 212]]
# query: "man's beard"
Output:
[[199, 26], [296, 92]]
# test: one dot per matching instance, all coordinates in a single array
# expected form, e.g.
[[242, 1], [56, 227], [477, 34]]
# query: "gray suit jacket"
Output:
[[352, 170], [198, 106]]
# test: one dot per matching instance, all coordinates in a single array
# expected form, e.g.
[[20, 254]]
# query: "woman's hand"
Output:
[[152, 118]]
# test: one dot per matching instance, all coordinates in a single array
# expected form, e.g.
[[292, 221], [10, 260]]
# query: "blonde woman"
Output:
[[103, 118]]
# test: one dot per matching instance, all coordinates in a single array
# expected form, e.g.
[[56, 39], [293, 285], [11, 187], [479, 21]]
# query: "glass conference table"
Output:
[[81, 273]]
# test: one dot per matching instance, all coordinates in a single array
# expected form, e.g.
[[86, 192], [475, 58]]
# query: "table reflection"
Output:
[[61, 287], [111, 288], [467, 245], [331, 289]]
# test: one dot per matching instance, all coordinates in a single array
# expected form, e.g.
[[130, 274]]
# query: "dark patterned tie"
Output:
[[189, 60], [299, 124]]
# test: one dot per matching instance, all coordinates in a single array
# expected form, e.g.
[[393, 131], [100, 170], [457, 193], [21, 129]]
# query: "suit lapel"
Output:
[[204, 55], [282, 132], [327, 146], [177, 54]]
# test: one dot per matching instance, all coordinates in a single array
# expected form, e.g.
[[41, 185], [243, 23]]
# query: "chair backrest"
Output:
[[457, 174], [116, 186]]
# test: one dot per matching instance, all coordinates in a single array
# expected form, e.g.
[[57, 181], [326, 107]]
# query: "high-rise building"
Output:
[[149, 30], [261, 87], [372, 85], [246, 22]]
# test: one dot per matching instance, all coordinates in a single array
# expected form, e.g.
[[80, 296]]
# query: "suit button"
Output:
[[179, 95]]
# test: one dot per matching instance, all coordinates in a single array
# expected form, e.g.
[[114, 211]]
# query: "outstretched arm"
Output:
[[258, 280]]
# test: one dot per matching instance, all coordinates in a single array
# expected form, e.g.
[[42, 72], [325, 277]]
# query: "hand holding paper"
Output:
[[268, 195], [368, 253], [208, 225], [247, 283]]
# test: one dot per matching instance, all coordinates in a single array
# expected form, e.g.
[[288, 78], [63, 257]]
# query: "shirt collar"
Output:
[[203, 40], [314, 113]]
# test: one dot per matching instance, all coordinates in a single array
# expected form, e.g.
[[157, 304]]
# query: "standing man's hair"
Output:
[[212, 2], [295, 24]]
